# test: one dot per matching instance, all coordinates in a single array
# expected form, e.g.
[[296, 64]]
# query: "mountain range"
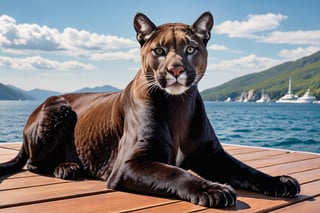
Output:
[[304, 72], [105, 88], [10, 92]]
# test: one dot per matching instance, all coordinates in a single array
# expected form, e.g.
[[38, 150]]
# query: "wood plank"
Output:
[[31, 181], [22, 174], [6, 157], [108, 202], [259, 155], [279, 159], [15, 146], [51, 192], [231, 147], [293, 167], [177, 207], [307, 176], [5, 151], [310, 206], [244, 150]]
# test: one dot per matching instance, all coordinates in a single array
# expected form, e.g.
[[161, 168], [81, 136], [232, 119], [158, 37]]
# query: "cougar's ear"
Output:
[[203, 25], [144, 27]]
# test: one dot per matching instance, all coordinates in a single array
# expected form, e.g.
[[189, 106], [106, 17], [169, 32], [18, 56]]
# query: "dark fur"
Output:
[[146, 138]]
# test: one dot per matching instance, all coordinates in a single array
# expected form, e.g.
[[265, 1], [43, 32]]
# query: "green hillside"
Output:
[[305, 73]]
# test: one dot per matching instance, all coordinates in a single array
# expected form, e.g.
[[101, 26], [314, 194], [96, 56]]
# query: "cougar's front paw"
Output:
[[283, 186], [214, 195], [68, 171]]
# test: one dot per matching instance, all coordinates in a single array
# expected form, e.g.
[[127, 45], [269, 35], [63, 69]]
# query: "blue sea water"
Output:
[[282, 126]]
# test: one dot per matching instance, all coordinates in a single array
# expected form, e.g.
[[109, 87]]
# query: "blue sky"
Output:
[[64, 45]]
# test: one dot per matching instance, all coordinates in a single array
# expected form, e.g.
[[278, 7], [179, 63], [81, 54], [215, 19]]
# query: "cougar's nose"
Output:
[[176, 70]]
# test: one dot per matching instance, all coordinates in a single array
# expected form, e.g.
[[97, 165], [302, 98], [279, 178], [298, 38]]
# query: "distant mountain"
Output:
[[36, 94], [305, 73], [9, 93], [40, 94], [105, 88], [16, 88]]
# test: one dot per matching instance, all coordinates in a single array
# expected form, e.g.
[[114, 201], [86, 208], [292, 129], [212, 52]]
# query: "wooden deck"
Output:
[[28, 192]]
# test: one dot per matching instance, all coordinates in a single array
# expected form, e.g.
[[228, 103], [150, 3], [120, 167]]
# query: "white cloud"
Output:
[[244, 65], [32, 38], [217, 47], [255, 27], [75, 39], [40, 63], [309, 37], [27, 36], [132, 54], [297, 53], [7, 19], [254, 24]]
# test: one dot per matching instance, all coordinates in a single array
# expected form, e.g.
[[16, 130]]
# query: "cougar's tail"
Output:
[[15, 164]]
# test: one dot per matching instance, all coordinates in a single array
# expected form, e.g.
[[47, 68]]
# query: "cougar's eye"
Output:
[[159, 51], [190, 50]]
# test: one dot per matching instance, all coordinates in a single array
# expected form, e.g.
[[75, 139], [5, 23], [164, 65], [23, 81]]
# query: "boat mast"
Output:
[[289, 89]]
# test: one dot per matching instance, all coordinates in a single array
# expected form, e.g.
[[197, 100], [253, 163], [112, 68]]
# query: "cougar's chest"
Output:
[[179, 124]]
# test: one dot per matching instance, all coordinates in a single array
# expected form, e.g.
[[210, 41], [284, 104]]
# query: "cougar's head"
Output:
[[174, 56]]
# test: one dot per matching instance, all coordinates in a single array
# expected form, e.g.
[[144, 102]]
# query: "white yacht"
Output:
[[228, 99], [289, 97], [307, 98]]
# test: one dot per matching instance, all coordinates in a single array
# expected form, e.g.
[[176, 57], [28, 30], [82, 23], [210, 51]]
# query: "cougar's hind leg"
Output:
[[51, 137]]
